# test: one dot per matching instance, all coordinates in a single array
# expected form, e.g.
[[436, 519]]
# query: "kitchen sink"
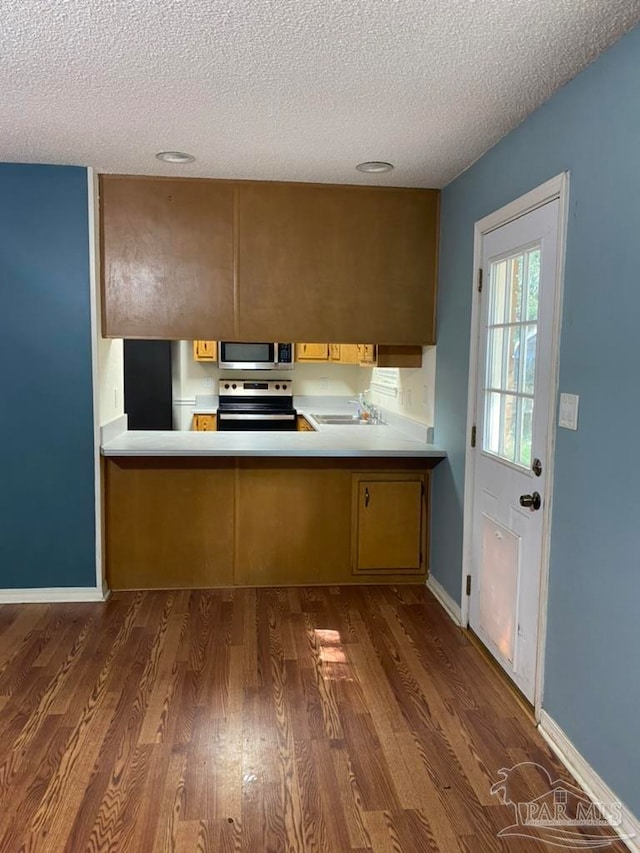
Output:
[[340, 420]]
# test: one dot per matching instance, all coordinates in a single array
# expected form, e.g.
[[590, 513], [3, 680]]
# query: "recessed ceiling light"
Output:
[[374, 166], [175, 157]]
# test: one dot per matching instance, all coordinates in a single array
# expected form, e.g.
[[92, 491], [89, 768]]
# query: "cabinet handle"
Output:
[[367, 497]]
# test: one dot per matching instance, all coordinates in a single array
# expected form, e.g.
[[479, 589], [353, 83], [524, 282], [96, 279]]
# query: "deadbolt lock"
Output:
[[537, 467]]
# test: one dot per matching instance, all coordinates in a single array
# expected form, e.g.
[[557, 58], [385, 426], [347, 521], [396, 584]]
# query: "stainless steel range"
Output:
[[245, 404]]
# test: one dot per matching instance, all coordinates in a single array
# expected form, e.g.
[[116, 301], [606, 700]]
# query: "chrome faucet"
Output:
[[366, 411]]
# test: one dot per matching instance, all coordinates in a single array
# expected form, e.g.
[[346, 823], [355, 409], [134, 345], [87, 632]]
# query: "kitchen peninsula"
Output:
[[341, 504], [245, 261]]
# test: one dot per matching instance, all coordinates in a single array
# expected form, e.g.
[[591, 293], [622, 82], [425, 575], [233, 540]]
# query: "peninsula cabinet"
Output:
[[389, 520], [167, 253], [196, 259], [259, 521]]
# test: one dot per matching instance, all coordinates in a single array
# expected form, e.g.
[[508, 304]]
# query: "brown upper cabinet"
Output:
[[167, 257], [337, 263], [202, 259]]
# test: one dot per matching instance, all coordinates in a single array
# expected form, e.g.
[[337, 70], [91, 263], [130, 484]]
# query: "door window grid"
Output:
[[511, 338]]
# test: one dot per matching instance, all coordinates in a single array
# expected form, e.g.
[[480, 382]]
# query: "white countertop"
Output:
[[368, 440]]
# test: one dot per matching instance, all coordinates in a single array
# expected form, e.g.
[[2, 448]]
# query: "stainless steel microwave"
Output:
[[239, 355]]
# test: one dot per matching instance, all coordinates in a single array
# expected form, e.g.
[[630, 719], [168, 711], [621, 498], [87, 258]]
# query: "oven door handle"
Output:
[[232, 417]]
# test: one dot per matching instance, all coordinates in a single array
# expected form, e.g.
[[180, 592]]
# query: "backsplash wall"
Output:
[[191, 378], [415, 392]]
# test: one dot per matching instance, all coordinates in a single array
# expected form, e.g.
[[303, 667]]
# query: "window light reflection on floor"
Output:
[[335, 664]]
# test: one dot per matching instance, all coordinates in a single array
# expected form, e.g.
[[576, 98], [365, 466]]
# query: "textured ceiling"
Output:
[[296, 90]]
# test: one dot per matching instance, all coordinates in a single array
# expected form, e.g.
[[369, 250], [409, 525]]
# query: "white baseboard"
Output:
[[452, 608], [53, 594], [589, 780]]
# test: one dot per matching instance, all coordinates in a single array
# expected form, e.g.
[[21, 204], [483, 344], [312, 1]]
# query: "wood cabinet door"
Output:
[[349, 354], [390, 356], [389, 523], [336, 263], [312, 352], [167, 258], [205, 350], [204, 423], [303, 425], [366, 353]]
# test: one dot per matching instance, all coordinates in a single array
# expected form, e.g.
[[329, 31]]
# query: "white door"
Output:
[[513, 400]]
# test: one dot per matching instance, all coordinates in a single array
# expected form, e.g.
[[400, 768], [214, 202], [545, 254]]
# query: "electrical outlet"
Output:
[[425, 395], [115, 398], [324, 383], [208, 382], [408, 398]]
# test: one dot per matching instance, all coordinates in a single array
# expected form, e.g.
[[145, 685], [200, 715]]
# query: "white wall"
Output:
[[111, 373], [109, 351], [416, 389]]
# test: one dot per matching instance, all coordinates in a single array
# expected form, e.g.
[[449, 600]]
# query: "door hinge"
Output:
[[468, 584], [479, 279], [473, 436]]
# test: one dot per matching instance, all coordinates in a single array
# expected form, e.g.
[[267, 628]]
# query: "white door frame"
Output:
[[555, 188]]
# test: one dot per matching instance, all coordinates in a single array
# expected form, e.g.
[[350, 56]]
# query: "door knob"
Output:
[[533, 501]]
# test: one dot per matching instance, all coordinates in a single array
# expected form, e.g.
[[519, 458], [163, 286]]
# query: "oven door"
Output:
[[236, 421], [236, 355]]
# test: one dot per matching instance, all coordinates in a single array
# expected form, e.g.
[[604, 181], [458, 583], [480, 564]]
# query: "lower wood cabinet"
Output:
[[389, 512], [207, 522], [303, 425], [205, 423]]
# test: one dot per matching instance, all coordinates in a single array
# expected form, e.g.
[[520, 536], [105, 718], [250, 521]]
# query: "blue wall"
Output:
[[47, 523], [592, 128]]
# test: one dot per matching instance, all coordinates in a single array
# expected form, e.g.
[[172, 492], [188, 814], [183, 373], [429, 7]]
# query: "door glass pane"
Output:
[[514, 305], [509, 422], [512, 366], [529, 366], [492, 422], [498, 293], [526, 432], [495, 357], [533, 282]]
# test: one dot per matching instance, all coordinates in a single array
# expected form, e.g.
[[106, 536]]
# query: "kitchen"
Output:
[[203, 670], [264, 430]]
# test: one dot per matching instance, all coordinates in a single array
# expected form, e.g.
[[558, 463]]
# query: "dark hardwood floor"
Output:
[[312, 719]]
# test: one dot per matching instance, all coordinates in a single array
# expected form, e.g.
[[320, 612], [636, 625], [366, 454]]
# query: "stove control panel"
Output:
[[253, 388]]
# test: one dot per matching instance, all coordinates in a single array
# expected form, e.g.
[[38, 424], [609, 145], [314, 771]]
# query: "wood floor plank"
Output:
[[307, 720]]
